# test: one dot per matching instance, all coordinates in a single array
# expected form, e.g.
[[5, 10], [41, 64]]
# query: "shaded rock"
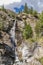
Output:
[[5, 39]]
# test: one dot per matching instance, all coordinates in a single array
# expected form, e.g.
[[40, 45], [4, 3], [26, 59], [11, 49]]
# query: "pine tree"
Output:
[[26, 10]]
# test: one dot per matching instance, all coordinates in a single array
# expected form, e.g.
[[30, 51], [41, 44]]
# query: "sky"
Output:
[[10, 4], [6, 2]]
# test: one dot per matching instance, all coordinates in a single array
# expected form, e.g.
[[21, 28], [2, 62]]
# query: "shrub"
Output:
[[27, 33], [39, 25], [35, 14], [31, 10]]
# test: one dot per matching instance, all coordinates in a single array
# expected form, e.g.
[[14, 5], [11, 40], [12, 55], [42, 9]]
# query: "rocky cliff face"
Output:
[[17, 50]]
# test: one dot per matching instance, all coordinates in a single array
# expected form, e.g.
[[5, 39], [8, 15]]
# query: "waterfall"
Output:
[[12, 35]]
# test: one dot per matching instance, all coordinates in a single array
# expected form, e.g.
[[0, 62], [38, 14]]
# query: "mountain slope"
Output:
[[18, 49]]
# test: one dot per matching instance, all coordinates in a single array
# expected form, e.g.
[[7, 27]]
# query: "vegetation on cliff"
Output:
[[39, 25], [28, 31]]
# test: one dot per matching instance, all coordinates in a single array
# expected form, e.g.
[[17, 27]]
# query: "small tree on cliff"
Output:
[[27, 33], [26, 10]]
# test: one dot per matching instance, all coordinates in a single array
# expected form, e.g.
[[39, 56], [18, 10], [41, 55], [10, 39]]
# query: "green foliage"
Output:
[[35, 13], [37, 28], [41, 17], [26, 8], [41, 60], [3, 8], [31, 10], [39, 25], [27, 33]]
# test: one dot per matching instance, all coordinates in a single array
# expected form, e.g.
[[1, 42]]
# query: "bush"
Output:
[[31, 10], [35, 14], [27, 33], [39, 28], [39, 25]]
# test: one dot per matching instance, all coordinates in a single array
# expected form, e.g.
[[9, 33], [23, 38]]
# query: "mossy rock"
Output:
[[41, 60]]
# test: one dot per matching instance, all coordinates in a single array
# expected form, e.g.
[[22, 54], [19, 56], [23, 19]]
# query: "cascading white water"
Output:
[[12, 34]]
